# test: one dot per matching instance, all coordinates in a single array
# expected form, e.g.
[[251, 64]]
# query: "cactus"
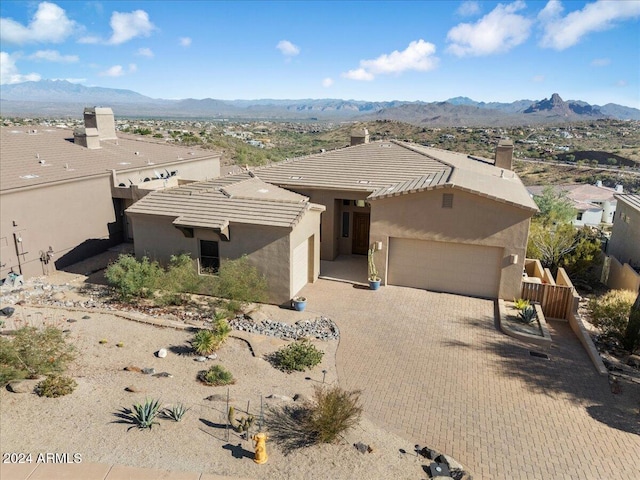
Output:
[[241, 425], [527, 315]]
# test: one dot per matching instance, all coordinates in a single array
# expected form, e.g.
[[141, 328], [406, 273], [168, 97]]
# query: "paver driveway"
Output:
[[434, 369]]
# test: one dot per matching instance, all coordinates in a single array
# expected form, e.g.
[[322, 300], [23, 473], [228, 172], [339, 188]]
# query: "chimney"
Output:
[[504, 154], [86, 137], [101, 118], [599, 183], [619, 188], [358, 137]]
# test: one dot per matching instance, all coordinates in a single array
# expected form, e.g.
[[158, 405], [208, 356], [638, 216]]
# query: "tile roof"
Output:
[[581, 195], [631, 199], [216, 203], [49, 155], [387, 168]]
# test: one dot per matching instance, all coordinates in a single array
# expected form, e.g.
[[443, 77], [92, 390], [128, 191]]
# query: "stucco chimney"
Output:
[[86, 137], [599, 183], [504, 154], [359, 137], [619, 188], [101, 118]]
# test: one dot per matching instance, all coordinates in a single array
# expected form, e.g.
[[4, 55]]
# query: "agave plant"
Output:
[[521, 303], [176, 412], [144, 414], [527, 315]]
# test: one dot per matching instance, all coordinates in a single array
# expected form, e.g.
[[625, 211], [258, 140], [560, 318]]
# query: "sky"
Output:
[[361, 50]]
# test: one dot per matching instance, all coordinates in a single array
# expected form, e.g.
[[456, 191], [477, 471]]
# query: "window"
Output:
[[447, 200], [345, 224], [579, 217], [209, 257]]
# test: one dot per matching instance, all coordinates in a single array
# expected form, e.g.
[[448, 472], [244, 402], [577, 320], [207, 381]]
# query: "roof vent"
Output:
[[295, 177], [363, 182], [29, 176], [447, 200], [385, 145], [136, 153]]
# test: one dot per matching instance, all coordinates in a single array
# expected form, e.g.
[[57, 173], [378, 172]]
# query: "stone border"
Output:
[[580, 331], [543, 341]]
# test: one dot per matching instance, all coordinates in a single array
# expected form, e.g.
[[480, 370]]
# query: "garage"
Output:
[[445, 267], [300, 266]]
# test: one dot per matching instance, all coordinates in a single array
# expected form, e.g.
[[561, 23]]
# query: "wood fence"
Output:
[[556, 300]]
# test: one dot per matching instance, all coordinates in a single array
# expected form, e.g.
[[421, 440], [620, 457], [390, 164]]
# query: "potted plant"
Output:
[[374, 279], [299, 303]]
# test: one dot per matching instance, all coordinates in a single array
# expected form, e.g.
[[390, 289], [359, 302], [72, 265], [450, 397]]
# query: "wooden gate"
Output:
[[555, 300]]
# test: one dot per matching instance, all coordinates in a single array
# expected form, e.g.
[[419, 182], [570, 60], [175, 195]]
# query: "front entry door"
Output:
[[360, 244]]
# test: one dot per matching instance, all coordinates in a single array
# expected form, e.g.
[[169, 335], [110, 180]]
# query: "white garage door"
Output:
[[445, 267], [300, 265]]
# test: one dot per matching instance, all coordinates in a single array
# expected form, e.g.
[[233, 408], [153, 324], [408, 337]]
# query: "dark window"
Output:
[[346, 203], [345, 224], [209, 257], [579, 216], [447, 200]]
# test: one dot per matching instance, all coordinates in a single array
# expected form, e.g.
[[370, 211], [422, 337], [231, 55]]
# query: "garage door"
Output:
[[445, 267], [300, 265]]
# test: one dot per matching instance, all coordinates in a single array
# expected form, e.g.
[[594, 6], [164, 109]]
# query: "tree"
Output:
[[555, 207], [631, 339], [550, 244]]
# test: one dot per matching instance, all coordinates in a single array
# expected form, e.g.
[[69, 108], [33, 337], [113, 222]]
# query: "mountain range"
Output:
[[62, 98]]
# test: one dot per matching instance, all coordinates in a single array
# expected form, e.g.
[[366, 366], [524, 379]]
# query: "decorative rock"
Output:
[[163, 375], [300, 398], [218, 397], [200, 359], [284, 398], [213, 356], [148, 371], [71, 320], [22, 386], [634, 361], [361, 447], [131, 368], [320, 328], [452, 462], [162, 353], [86, 317], [132, 389]]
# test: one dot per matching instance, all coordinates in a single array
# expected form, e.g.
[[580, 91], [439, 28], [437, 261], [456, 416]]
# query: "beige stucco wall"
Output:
[[269, 249], [309, 226], [625, 237], [472, 220], [75, 218]]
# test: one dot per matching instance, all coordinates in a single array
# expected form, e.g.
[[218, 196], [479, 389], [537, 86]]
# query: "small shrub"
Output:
[[521, 303], [216, 376], [133, 278], [205, 342], [333, 412], [32, 352], [297, 356], [144, 414], [119, 344], [610, 312], [239, 280], [176, 412], [55, 386], [527, 315], [103, 341]]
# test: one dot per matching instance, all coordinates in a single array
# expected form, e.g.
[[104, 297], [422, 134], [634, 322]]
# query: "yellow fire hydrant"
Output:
[[261, 447]]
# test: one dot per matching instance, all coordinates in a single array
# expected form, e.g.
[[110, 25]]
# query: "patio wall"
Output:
[[622, 277]]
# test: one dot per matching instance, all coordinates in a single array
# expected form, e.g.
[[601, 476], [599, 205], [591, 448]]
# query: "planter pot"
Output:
[[299, 304], [374, 284]]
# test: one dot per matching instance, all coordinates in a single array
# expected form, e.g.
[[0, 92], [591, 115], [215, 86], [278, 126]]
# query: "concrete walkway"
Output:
[[434, 369]]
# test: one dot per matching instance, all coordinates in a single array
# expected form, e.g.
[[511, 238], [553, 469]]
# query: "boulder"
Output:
[[149, 371], [22, 386], [162, 353], [132, 389], [131, 368]]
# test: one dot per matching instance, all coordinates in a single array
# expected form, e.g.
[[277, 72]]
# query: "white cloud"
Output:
[[600, 62], [9, 71], [145, 52], [468, 8], [327, 82], [287, 48], [185, 41], [498, 31], [49, 24], [53, 56], [563, 32], [89, 40], [115, 71], [417, 56], [538, 78], [130, 25]]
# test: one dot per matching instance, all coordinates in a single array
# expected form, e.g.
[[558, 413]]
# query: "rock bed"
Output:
[[321, 328]]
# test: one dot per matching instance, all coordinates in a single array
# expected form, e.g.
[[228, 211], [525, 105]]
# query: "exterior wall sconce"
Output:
[[377, 246], [513, 259], [360, 203]]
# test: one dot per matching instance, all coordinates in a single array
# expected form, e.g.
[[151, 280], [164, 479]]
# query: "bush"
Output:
[[297, 356], [205, 342], [133, 278], [55, 386], [333, 411], [144, 415], [239, 280], [176, 412], [33, 352], [610, 312], [216, 376]]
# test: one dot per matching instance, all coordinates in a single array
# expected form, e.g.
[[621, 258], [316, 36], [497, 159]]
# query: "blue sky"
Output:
[[364, 50]]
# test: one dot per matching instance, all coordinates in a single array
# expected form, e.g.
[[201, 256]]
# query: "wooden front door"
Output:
[[360, 244]]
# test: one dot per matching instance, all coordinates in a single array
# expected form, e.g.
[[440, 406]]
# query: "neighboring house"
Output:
[[63, 193], [625, 235], [594, 204], [440, 220]]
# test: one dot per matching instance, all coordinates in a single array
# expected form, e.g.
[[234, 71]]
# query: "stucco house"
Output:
[[63, 192], [439, 220], [594, 204], [625, 234]]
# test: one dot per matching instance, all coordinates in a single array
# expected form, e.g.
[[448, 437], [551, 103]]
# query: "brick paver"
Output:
[[434, 369]]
